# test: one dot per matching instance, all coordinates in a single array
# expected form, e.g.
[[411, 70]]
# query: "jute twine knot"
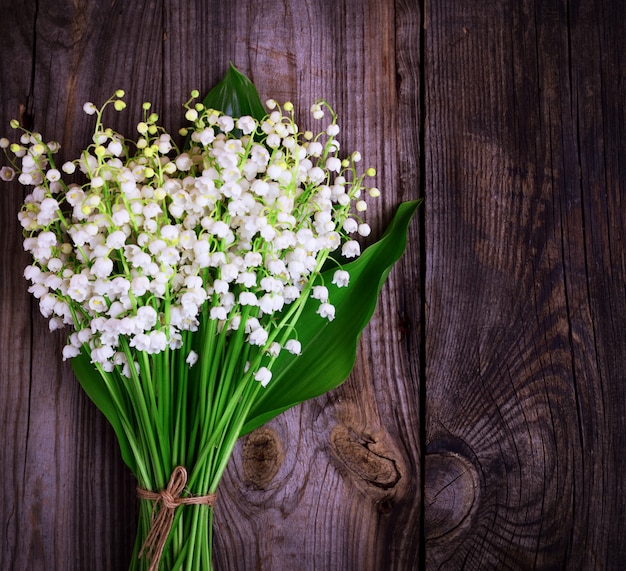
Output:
[[165, 503]]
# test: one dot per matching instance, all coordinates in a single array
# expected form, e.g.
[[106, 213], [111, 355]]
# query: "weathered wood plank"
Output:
[[332, 484], [595, 290], [337, 515], [76, 507], [524, 286], [15, 339]]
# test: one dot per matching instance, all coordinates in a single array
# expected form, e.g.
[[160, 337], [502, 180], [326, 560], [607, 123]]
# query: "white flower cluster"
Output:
[[235, 228]]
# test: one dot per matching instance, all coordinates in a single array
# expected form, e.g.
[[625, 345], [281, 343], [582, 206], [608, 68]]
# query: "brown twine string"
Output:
[[165, 503]]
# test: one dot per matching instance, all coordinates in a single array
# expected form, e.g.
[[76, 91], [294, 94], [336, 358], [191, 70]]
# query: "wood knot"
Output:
[[451, 494], [262, 456], [366, 459]]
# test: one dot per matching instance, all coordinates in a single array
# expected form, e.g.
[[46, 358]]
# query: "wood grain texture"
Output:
[[15, 328], [484, 424], [332, 484], [524, 379]]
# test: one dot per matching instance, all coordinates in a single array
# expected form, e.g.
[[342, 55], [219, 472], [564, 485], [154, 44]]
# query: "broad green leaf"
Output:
[[329, 347], [93, 384], [236, 96]]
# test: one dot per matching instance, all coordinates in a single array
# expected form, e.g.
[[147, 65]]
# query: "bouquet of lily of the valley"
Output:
[[207, 288]]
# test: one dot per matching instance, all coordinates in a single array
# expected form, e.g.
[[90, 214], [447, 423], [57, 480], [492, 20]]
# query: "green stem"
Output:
[[180, 372], [145, 423], [225, 453]]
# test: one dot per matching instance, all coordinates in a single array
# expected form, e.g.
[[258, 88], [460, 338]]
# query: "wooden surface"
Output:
[[484, 424]]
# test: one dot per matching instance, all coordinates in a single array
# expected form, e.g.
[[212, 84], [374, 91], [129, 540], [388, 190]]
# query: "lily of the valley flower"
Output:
[[241, 220]]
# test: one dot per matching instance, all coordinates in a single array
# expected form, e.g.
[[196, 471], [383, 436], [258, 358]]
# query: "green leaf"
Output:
[[329, 347], [94, 385], [236, 96]]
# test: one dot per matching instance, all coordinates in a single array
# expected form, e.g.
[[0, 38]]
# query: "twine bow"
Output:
[[165, 503]]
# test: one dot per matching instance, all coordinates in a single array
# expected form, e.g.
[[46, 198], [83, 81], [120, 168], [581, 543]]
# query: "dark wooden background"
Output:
[[484, 425]]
